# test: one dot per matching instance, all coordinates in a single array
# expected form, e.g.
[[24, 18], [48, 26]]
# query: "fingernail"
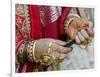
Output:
[[84, 33], [77, 40], [80, 36]]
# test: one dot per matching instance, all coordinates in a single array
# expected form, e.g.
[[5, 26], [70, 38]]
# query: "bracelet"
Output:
[[30, 51], [70, 18], [44, 59], [66, 24], [34, 50]]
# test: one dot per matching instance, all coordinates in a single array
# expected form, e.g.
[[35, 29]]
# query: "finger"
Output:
[[81, 37], [64, 50], [58, 55], [60, 42], [90, 24], [77, 40], [55, 54], [84, 33], [90, 29], [91, 33], [60, 49], [62, 56], [82, 23]]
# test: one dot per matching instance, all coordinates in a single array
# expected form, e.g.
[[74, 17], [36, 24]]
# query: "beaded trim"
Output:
[[30, 51]]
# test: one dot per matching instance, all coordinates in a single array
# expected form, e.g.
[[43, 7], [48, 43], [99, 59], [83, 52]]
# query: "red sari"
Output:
[[41, 26]]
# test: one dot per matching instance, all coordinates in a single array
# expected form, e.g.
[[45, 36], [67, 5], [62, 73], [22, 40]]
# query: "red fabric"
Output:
[[29, 68], [35, 23], [53, 30], [20, 68], [19, 43]]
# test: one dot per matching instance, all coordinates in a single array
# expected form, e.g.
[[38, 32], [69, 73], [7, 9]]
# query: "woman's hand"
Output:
[[80, 29], [56, 48], [47, 51]]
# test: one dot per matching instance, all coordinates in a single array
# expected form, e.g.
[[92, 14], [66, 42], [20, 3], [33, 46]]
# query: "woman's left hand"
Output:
[[80, 29]]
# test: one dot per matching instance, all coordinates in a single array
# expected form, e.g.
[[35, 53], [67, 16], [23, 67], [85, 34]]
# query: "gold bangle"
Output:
[[70, 18], [30, 51], [33, 50], [68, 21], [66, 24]]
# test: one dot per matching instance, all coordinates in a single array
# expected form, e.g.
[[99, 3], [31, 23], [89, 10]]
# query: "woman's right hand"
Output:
[[80, 29]]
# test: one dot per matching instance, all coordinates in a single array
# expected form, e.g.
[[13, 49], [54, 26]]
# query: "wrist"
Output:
[[70, 22]]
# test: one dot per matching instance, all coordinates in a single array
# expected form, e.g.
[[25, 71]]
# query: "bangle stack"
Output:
[[69, 19], [30, 51], [44, 59]]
